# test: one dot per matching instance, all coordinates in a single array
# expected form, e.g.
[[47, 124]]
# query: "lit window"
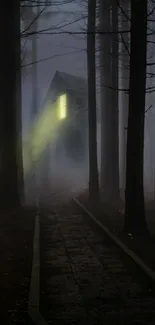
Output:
[[62, 106]]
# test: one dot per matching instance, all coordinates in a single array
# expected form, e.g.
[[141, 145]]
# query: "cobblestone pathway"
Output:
[[84, 277]]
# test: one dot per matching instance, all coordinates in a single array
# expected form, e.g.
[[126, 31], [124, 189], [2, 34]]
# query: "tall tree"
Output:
[[18, 104], [109, 100], [105, 80], [124, 57], [10, 128], [134, 193], [92, 120], [114, 138], [34, 176]]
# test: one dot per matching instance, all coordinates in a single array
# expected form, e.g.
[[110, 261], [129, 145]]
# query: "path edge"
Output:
[[147, 270], [34, 294]]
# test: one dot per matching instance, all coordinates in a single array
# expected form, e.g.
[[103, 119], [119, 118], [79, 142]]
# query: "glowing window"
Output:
[[62, 106]]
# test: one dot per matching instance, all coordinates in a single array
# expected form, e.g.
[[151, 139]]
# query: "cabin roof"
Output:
[[70, 82], [63, 81]]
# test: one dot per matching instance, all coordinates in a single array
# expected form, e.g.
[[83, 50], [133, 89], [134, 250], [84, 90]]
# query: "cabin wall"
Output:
[[76, 131], [71, 139]]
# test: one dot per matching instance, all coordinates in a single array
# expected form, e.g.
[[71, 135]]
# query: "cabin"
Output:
[[71, 93]]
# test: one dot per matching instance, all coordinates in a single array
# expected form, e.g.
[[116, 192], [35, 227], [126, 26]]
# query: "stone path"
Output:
[[85, 279]]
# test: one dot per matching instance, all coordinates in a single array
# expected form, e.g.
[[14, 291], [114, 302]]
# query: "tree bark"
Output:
[[105, 81], [114, 108], [18, 104], [124, 49], [35, 166], [134, 194], [109, 101], [10, 125], [92, 120]]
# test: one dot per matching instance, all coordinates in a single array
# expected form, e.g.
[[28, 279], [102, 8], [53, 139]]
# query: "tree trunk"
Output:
[[34, 168], [19, 106], [109, 101], [134, 193], [124, 49], [92, 120], [105, 80], [10, 106], [114, 108]]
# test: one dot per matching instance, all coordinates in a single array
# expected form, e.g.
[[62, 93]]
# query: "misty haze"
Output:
[[77, 162]]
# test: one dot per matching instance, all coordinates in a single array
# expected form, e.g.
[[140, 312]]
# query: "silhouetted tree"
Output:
[[114, 137], [11, 172], [134, 193], [109, 100], [124, 55], [93, 169], [105, 80]]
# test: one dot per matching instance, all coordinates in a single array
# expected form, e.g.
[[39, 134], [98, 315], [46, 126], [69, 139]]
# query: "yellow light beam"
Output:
[[43, 131]]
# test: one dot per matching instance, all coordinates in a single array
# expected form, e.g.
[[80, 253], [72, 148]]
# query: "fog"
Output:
[[67, 53]]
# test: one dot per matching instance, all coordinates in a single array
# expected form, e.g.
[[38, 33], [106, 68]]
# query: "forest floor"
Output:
[[16, 244], [114, 220]]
